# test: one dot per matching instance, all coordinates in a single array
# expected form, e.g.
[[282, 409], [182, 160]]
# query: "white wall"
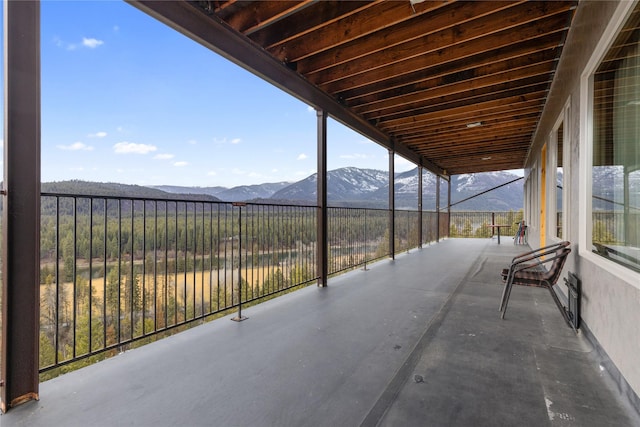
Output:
[[611, 293]]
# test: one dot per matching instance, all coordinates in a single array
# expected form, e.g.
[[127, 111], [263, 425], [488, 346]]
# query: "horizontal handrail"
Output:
[[119, 271]]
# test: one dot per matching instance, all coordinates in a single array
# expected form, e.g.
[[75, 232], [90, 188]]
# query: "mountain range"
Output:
[[348, 186], [356, 187]]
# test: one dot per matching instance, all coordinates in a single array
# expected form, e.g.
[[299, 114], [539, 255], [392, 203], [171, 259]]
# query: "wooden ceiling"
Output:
[[413, 77]]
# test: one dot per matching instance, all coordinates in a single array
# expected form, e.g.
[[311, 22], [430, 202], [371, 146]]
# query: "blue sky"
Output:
[[127, 99]]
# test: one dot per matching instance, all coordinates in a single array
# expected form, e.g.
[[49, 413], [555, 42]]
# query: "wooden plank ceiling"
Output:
[[459, 84]]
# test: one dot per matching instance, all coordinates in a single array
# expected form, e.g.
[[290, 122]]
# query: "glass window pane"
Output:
[[559, 179], [616, 149]]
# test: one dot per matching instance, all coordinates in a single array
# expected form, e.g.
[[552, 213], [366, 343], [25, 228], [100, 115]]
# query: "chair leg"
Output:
[[504, 294], [507, 294], [504, 290]]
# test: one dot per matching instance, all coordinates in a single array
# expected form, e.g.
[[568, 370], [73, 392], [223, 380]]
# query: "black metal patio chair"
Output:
[[540, 268]]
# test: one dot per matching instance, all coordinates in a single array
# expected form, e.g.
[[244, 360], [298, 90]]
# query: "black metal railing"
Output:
[[119, 270], [477, 224], [356, 236]]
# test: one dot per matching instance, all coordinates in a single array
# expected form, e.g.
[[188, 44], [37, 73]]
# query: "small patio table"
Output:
[[498, 226]]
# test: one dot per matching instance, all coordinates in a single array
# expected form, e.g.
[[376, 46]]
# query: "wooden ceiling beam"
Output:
[[402, 61], [457, 161], [431, 31], [515, 77], [257, 15], [448, 161], [469, 116], [426, 135], [537, 96], [466, 72], [453, 142], [448, 147], [502, 92], [396, 85], [350, 29], [308, 21], [423, 64], [463, 120]]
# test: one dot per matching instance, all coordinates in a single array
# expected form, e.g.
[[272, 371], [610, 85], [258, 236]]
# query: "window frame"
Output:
[[564, 121], [585, 183]]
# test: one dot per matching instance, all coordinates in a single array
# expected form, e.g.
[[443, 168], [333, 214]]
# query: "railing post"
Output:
[[21, 201], [449, 207], [493, 222], [419, 206], [322, 249], [365, 240], [437, 208], [239, 317], [392, 206]]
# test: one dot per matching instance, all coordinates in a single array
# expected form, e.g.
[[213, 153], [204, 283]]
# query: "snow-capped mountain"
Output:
[[367, 187], [346, 184]]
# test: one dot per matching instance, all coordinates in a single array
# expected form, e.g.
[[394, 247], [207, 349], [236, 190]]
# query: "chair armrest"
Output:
[[527, 256]]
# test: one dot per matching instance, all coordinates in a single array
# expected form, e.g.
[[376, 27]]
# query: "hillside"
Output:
[[345, 187], [112, 189]]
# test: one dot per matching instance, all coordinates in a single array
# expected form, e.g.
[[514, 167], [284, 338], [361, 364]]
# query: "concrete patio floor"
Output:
[[417, 341]]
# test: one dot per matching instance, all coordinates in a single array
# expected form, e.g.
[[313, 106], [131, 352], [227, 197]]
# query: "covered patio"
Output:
[[454, 87], [413, 341]]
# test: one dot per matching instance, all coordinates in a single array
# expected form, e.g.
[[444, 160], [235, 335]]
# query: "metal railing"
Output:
[[115, 271], [476, 224], [118, 271], [356, 236]]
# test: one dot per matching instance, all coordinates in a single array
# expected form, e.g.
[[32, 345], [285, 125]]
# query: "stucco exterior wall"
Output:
[[611, 296]]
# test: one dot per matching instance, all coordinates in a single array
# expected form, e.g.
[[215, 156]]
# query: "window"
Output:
[[615, 187], [559, 182]]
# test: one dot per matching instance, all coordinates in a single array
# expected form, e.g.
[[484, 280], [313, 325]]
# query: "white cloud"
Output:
[[226, 140], [164, 156], [97, 135], [310, 109], [212, 173], [192, 142], [180, 164], [76, 146], [91, 43], [274, 170], [116, 28], [131, 147], [237, 171], [302, 156]]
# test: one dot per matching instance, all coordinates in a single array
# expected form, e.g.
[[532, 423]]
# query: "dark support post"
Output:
[[493, 222], [392, 206], [323, 246], [449, 207], [21, 202], [239, 317], [437, 208], [419, 206]]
